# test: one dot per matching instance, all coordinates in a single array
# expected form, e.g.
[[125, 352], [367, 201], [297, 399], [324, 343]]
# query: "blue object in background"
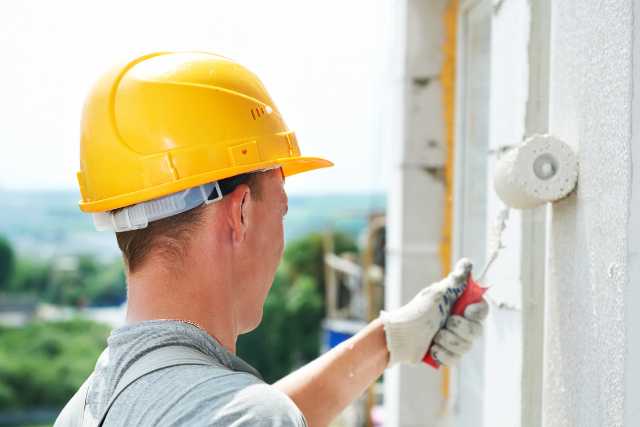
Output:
[[336, 331], [333, 338]]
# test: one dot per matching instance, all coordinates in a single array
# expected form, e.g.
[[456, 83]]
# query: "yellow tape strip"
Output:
[[448, 74]]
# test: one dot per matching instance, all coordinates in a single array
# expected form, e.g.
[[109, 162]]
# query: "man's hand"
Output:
[[411, 328], [325, 387]]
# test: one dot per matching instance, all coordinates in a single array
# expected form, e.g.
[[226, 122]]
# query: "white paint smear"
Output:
[[495, 243]]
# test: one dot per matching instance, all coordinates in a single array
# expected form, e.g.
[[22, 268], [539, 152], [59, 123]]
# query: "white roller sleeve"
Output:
[[542, 169]]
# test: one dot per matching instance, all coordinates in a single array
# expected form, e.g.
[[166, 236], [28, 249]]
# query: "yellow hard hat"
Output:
[[166, 122]]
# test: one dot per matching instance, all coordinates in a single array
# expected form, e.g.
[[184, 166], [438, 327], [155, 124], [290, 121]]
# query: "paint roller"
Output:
[[542, 169]]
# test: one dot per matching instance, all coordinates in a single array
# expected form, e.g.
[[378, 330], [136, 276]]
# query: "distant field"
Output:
[[50, 224]]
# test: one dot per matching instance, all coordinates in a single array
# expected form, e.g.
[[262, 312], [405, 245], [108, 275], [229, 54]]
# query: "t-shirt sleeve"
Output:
[[258, 405]]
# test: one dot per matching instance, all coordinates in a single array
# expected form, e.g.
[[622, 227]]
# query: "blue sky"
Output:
[[324, 64]]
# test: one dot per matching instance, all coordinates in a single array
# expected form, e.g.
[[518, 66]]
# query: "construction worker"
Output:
[[185, 156]]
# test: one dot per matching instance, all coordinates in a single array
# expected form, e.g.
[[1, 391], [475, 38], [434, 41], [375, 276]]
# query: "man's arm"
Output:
[[325, 387]]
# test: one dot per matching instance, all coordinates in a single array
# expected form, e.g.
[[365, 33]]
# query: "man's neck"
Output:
[[159, 292]]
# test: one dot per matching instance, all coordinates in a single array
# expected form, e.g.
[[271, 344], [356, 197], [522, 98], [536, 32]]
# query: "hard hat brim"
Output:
[[290, 166]]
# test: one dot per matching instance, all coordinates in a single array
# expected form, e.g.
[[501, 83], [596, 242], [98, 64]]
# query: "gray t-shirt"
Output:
[[185, 395]]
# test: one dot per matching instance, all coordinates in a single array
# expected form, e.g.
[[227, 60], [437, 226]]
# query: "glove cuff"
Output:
[[405, 340]]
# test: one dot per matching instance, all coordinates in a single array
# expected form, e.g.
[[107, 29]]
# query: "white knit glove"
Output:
[[411, 328]]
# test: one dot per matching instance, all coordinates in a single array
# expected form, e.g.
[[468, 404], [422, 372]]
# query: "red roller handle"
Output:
[[472, 294]]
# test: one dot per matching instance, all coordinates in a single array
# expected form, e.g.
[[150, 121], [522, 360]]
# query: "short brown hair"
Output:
[[172, 235]]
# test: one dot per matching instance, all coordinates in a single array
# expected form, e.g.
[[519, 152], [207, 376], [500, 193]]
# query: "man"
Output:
[[185, 156]]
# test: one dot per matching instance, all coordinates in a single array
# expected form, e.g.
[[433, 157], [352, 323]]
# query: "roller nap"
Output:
[[542, 169]]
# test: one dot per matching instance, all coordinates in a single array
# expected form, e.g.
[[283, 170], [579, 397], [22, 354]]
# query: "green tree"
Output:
[[30, 276], [305, 256], [6, 264], [305, 307], [90, 283], [45, 364], [107, 285]]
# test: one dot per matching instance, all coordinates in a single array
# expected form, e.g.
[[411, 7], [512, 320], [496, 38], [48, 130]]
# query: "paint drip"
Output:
[[542, 169], [495, 244]]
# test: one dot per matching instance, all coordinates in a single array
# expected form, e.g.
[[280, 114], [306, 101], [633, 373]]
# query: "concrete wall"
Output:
[[589, 252], [591, 356], [412, 395], [591, 287]]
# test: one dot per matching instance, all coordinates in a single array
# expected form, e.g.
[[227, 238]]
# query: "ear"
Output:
[[239, 206]]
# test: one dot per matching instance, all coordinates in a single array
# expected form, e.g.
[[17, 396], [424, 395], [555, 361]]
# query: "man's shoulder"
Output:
[[243, 400], [208, 396], [258, 404]]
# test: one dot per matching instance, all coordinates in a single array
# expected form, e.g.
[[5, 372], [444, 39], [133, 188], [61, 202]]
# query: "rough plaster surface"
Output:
[[591, 71], [632, 373]]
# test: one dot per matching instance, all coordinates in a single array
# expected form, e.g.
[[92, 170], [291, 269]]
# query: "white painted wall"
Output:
[[494, 368], [591, 256], [632, 373], [470, 183], [491, 101], [592, 344], [591, 330], [412, 395], [503, 328]]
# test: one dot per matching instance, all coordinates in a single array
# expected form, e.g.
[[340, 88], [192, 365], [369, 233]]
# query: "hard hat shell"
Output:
[[166, 122]]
